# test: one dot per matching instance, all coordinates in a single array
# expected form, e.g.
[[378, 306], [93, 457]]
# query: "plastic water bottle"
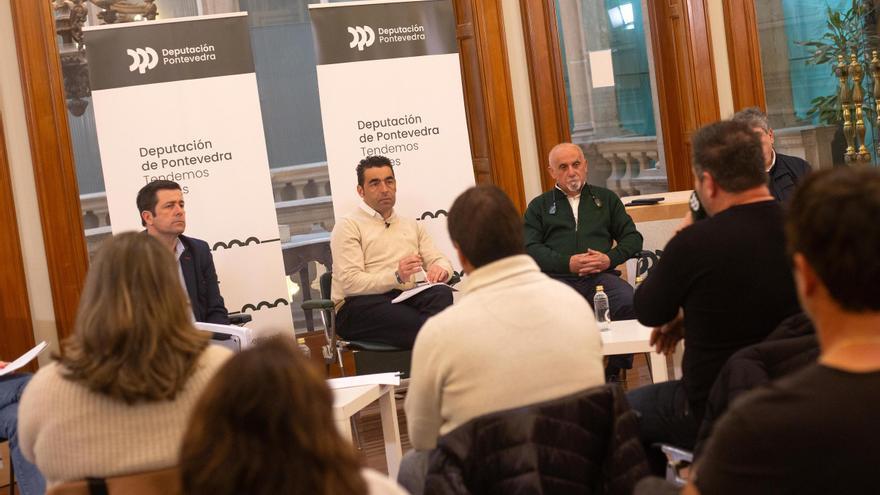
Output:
[[602, 308], [301, 342]]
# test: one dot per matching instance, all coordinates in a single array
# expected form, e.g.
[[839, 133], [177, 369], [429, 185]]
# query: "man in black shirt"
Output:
[[816, 431], [722, 284]]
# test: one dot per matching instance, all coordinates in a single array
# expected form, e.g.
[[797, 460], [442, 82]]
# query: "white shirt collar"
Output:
[[566, 194], [773, 162], [373, 213], [178, 248]]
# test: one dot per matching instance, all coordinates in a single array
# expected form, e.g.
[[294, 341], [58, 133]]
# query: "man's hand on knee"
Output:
[[594, 262]]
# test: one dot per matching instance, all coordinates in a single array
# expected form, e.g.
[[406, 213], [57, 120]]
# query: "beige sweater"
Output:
[[514, 337], [366, 252], [71, 433]]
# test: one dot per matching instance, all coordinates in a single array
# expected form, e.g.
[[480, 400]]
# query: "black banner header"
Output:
[[155, 52], [354, 33]]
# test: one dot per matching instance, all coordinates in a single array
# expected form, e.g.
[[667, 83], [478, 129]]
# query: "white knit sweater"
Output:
[[71, 432]]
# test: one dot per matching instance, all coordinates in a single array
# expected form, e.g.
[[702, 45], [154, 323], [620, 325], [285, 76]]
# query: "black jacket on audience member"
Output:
[[789, 348], [202, 286], [785, 175], [585, 443]]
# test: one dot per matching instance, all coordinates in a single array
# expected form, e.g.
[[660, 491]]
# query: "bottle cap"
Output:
[[600, 288]]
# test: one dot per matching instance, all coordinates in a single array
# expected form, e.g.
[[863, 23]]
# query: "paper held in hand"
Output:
[[24, 359], [415, 290]]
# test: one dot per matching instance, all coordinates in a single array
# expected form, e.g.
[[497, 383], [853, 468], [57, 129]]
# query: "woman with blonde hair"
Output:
[[264, 425], [117, 400]]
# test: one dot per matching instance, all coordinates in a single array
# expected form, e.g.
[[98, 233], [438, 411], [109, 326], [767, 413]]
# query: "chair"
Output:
[[369, 356], [240, 338], [8, 460], [160, 482]]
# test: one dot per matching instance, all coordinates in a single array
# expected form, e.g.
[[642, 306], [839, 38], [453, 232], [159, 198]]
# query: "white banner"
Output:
[[390, 84], [177, 100]]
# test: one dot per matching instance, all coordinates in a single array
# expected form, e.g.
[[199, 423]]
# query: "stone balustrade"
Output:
[[630, 165]]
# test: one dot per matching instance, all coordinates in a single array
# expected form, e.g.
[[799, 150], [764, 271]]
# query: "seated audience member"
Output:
[[264, 426], [570, 231], [516, 336], [728, 275], [816, 431], [160, 204], [28, 478], [117, 400], [785, 171], [376, 255]]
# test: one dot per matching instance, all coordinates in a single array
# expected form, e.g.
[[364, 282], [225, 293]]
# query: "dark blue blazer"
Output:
[[200, 276], [785, 175]]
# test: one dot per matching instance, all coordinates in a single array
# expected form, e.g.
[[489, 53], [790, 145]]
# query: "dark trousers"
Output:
[[620, 298], [30, 481], [374, 318], [665, 416]]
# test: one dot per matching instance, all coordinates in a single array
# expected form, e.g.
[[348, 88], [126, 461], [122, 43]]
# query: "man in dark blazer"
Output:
[[161, 208], [785, 171]]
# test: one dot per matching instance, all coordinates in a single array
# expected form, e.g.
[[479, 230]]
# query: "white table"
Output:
[[348, 401], [631, 337]]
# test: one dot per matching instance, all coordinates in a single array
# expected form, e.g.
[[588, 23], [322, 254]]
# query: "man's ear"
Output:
[[805, 277], [461, 258], [710, 185], [360, 190], [147, 217]]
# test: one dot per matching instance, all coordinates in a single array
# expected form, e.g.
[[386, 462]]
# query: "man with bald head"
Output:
[[578, 233]]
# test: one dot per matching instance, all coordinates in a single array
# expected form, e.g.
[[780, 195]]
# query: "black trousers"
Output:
[[620, 298], [374, 318]]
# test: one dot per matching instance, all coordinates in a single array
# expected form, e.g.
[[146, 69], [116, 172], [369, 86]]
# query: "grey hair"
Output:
[[752, 117]]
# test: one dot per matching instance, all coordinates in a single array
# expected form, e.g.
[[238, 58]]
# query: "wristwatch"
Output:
[[397, 276]]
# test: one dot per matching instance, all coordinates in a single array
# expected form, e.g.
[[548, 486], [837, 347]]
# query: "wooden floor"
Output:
[[370, 427]]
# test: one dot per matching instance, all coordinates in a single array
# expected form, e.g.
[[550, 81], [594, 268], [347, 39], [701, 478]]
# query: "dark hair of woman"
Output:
[[264, 425]]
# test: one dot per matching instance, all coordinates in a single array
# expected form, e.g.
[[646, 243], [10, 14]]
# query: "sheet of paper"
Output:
[[411, 292], [24, 358], [357, 381]]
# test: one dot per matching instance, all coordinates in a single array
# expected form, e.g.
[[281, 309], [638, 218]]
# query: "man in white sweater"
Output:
[[377, 255], [515, 337]]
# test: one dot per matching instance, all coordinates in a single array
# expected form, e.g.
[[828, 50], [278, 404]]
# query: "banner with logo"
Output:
[[177, 99], [390, 84]]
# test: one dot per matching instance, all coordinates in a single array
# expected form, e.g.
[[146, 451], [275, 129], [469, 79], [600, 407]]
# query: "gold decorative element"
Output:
[[844, 96], [857, 72], [875, 76]]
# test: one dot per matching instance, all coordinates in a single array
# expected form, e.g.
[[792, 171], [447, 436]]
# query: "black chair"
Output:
[[369, 357]]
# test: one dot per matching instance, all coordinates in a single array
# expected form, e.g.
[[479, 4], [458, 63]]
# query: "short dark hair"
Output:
[[832, 222], [485, 225], [752, 117], [146, 197], [372, 162], [731, 153]]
